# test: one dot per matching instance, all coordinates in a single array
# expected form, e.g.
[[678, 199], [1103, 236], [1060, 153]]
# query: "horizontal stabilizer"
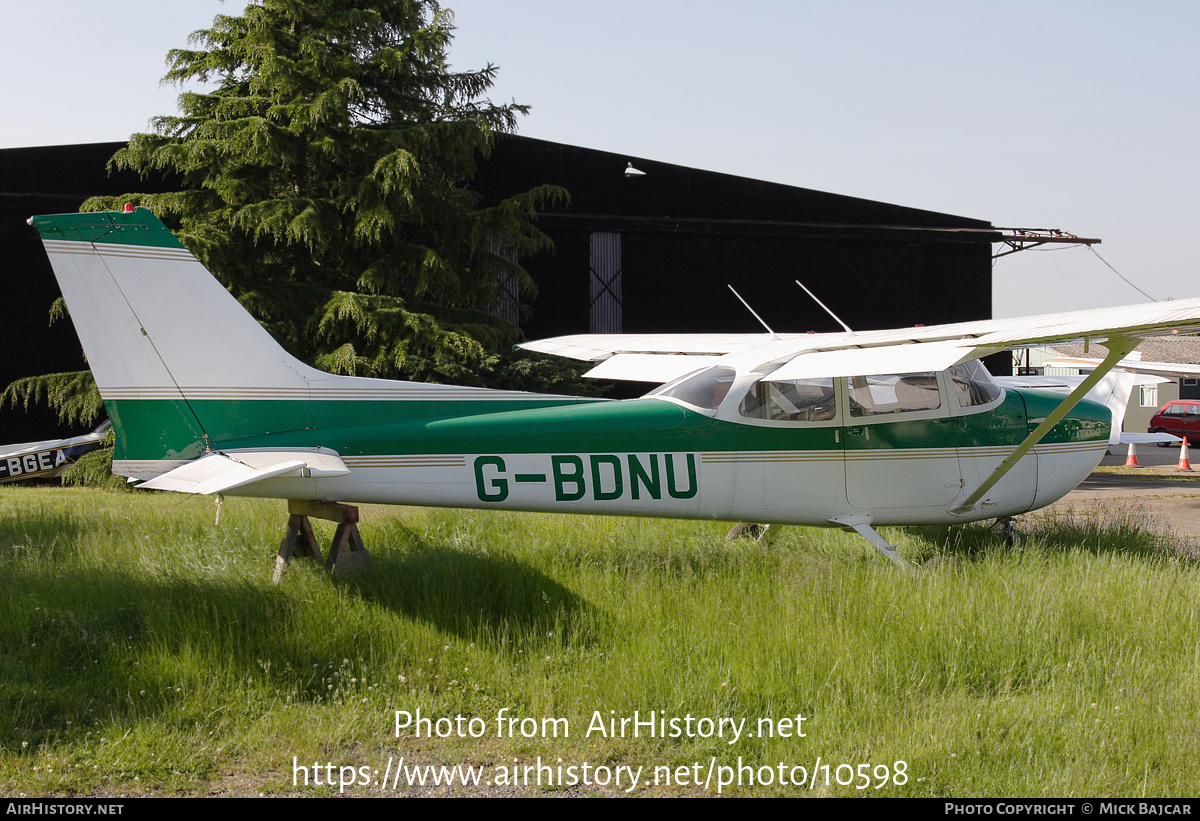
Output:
[[1148, 438], [1174, 369], [219, 472], [1066, 383]]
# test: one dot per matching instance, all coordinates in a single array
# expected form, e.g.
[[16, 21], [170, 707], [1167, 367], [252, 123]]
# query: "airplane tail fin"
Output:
[[1113, 391], [163, 337], [183, 369], [180, 365], [151, 316]]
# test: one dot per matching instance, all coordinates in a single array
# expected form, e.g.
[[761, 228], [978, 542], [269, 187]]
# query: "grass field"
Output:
[[144, 650]]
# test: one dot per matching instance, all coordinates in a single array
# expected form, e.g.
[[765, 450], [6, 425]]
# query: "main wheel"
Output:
[[747, 530]]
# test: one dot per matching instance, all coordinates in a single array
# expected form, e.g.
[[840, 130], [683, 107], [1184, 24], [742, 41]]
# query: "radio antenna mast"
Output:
[[751, 310], [823, 305]]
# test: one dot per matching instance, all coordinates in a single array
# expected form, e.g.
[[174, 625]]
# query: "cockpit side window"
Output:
[[796, 400], [893, 393], [973, 385], [705, 390]]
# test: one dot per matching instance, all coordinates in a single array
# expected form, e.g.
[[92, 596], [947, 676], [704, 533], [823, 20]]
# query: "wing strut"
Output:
[[1118, 346]]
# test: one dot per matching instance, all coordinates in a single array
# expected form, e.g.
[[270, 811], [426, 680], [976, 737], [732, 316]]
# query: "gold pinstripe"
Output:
[[383, 393]]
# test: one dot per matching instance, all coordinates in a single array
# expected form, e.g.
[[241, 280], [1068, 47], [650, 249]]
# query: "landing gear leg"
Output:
[[347, 554], [1006, 528], [763, 534], [862, 526]]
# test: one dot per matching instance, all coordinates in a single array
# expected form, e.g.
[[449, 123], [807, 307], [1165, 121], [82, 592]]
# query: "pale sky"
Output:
[[1072, 115]]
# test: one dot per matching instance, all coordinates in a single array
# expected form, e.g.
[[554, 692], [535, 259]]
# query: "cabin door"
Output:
[[899, 438]]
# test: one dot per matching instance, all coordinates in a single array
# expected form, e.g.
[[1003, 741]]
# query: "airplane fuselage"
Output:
[[646, 457]]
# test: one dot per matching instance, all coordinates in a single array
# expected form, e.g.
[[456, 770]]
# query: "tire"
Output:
[[745, 530]]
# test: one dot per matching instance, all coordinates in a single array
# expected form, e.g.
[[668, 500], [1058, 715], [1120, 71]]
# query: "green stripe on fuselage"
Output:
[[371, 428], [159, 429]]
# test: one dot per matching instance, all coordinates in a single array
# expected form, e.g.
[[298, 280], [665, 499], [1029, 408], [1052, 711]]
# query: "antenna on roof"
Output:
[[826, 307], [751, 310]]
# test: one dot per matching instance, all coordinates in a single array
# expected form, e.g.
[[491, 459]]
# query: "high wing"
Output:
[[655, 358], [648, 367], [907, 350], [933, 347], [598, 347]]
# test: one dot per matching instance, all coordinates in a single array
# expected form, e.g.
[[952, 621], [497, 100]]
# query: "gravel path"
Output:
[[1168, 498]]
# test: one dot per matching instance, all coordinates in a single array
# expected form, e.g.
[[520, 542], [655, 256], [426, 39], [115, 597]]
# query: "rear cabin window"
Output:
[[797, 400], [893, 393]]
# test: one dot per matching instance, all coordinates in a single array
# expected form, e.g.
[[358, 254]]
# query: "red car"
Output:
[[1180, 417]]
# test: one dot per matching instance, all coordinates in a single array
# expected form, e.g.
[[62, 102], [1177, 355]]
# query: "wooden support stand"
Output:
[[347, 555]]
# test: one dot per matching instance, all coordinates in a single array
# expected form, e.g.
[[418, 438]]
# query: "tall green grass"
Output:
[[143, 648]]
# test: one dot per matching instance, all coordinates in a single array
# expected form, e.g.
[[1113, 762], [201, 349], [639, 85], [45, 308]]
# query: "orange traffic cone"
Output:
[[1131, 460], [1184, 462]]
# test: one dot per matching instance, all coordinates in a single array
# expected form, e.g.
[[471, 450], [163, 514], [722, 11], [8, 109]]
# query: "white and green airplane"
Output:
[[848, 429]]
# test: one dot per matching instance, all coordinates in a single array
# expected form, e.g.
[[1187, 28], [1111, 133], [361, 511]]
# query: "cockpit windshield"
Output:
[[973, 384], [705, 390]]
